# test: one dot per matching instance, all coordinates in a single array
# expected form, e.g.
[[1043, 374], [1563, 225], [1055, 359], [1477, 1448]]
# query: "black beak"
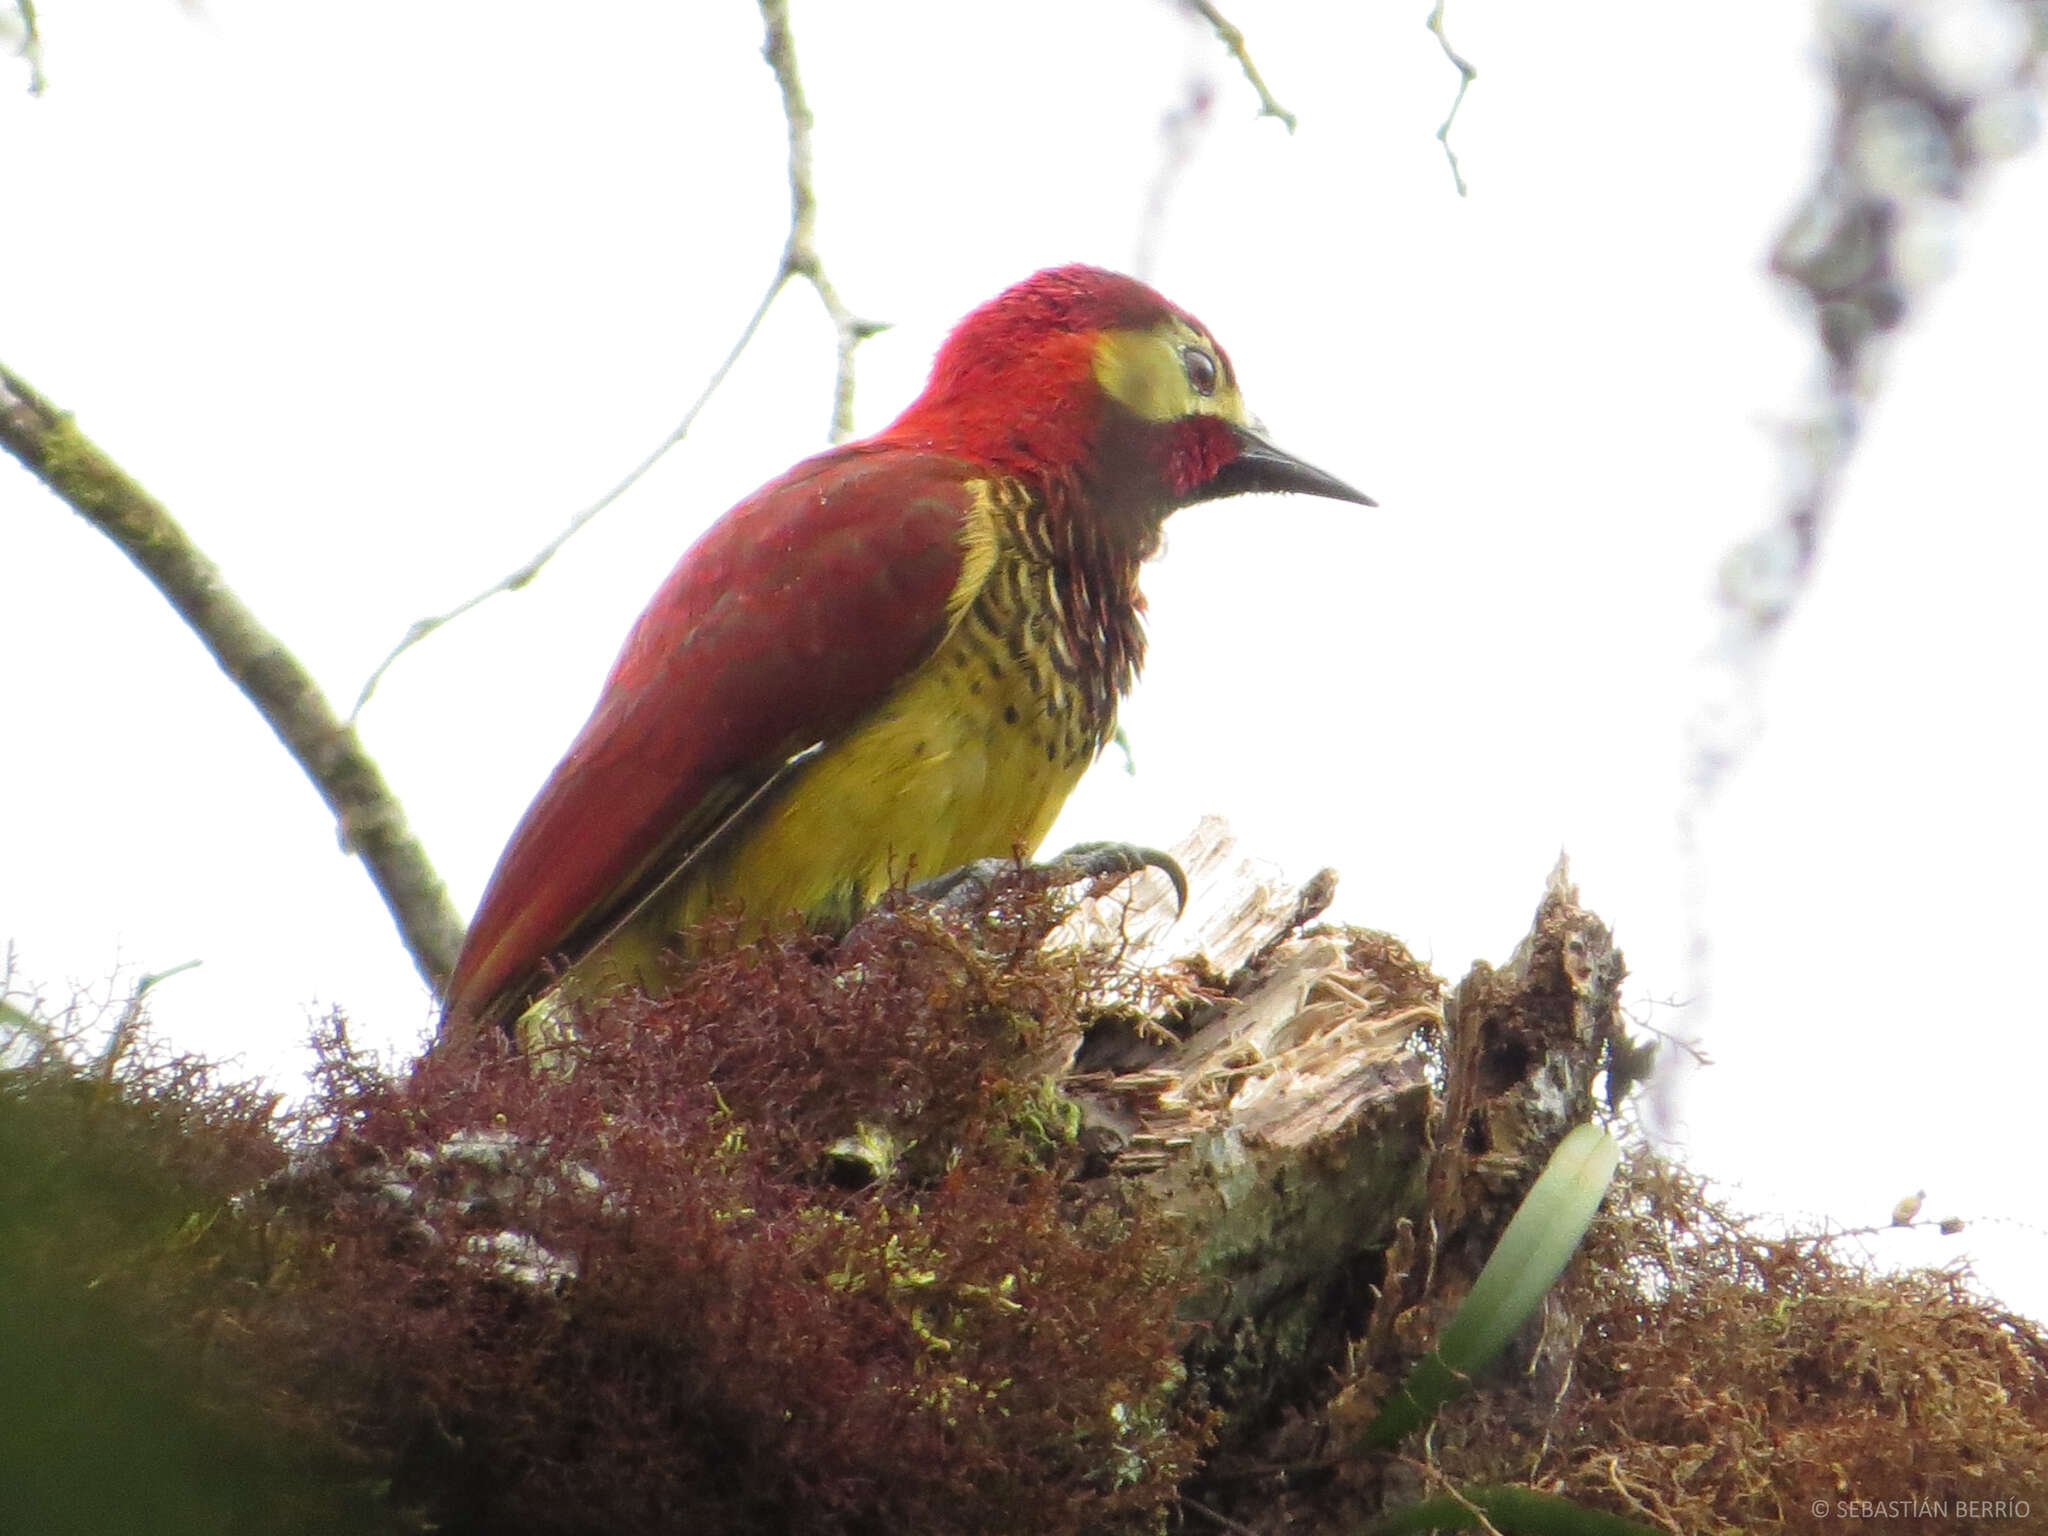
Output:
[[1260, 466]]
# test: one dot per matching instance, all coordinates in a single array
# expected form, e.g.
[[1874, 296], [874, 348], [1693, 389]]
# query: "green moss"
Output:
[[115, 1224]]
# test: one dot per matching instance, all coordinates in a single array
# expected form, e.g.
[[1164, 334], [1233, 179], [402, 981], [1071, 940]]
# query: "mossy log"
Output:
[[841, 1236], [1336, 1105]]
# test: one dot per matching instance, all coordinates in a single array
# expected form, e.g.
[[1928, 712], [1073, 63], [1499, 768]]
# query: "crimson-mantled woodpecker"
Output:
[[893, 660]]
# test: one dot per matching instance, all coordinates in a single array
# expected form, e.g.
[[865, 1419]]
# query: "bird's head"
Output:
[[1086, 376]]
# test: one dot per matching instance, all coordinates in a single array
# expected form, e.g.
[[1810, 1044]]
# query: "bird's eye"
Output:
[[1201, 369]]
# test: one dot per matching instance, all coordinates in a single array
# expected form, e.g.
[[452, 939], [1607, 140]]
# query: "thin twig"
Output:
[[1233, 40], [421, 628], [372, 823], [1467, 73], [25, 1017], [131, 1018], [799, 259]]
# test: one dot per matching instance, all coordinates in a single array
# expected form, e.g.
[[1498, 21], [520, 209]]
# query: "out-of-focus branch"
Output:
[[28, 44], [799, 259], [1182, 128], [372, 823], [1927, 98], [1233, 40], [1924, 104], [1180, 131], [1467, 73]]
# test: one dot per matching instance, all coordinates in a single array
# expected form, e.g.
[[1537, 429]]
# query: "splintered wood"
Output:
[[1235, 906], [1321, 1115], [1304, 1035]]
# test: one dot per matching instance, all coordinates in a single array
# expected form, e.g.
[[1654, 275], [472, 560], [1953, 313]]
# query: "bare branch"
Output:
[[800, 252], [1233, 40], [372, 823], [799, 259], [1467, 73]]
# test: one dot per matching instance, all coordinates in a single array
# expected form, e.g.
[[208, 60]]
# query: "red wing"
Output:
[[788, 620]]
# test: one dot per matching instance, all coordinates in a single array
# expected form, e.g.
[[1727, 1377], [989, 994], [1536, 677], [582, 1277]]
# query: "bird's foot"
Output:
[[1114, 861], [969, 885]]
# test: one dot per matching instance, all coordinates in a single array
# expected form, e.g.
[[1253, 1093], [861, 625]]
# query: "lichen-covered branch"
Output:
[[799, 259], [1233, 40], [372, 823]]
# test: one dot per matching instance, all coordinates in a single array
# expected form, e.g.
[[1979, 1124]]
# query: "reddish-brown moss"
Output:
[[1717, 1378], [630, 1291]]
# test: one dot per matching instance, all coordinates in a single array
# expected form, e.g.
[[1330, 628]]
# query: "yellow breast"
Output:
[[965, 761], [970, 757]]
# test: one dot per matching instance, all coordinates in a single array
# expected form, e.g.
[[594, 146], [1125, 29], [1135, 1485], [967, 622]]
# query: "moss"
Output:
[[640, 1291], [1728, 1379], [116, 1209], [642, 1296]]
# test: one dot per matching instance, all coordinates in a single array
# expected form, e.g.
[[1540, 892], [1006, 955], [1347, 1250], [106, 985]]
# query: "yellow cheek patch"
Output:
[[1145, 372]]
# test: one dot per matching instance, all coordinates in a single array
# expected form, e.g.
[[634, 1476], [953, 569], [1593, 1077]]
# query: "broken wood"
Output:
[[1344, 1139]]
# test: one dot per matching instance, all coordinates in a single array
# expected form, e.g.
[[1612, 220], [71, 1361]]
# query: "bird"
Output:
[[894, 660]]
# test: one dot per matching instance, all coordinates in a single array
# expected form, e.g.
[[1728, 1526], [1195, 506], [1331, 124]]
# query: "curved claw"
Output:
[[1095, 860], [968, 886]]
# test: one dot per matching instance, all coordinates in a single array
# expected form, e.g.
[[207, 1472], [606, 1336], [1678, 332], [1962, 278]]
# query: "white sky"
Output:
[[375, 310]]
